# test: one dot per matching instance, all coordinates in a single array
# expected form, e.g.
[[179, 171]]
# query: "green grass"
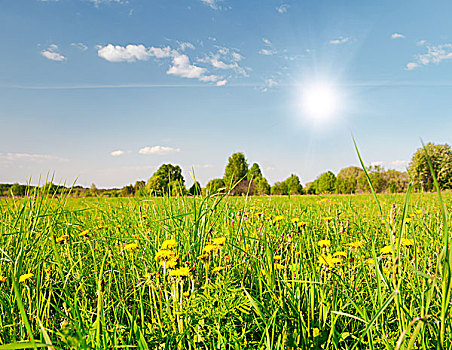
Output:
[[90, 292]]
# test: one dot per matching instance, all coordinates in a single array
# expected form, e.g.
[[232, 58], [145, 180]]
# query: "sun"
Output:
[[320, 101]]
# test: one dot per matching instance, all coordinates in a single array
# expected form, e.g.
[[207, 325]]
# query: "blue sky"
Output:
[[106, 91]]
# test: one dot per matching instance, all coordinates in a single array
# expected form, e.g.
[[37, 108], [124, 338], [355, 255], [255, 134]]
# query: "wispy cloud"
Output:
[[435, 54], [117, 153], [213, 4], [80, 46], [32, 157], [397, 36], [159, 150], [283, 8], [340, 40], [52, 54], [268, 84], [268, 52], [132, 52], [225, 59], [99, 2]]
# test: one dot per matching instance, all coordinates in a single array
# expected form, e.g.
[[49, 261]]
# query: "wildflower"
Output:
[[61, 238], [370, 261], [170, 264], [164, 254], [297, 253], [386, 250], [356, 244], [131, 246], [84, 233], [25, 277], [203, 257], [324, 243], [418, 211], [147, 276], [2, 279], [182, 271], [209, 248], [407, 220], [277, 258], [328, 218], [315, 332], [301, 224], [279, 266], [340, 254], [328, 260], [219, 240], [169, 244], [217, 269], [386, 271], [295, 220], [407, 242], [186, 294]]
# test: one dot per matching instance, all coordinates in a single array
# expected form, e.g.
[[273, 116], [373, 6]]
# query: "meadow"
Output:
[[219, 272]]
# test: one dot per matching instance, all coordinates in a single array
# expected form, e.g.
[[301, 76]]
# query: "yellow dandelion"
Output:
[[301, 224], [356, 244], [203, 257], [279, 266], [219, 240], [328, 218], [84, 233], [324, 243], [209, 248], [61, 238], [180, 272], [277, 258], [342, 254], [25, 277], [131, 246], [164, 254], [315, 332], [295, 220], [217, 269], [147, 276], [418, 211], [186, 294], [386, 250], [170, 264], [278, 218], [407, 220], [169, 244], [407, 242], [2, 279]]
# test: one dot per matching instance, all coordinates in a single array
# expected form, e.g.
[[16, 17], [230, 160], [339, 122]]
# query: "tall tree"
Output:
[[167, 180], [441, 159], [347, 179], [294, 185], [214, 185], [262, 187], [255, 172], [236, 169], [326, 183]]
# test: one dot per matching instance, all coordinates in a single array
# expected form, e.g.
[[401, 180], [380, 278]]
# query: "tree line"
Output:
[[241, 179]]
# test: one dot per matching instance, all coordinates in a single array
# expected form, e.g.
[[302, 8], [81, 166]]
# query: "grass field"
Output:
[[217, 272]]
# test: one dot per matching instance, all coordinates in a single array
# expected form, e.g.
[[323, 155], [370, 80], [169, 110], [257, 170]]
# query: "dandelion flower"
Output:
[[182, 271], [386, 250], [407, 242], [170, 264], [356, 244], [25, 277], [147, 276], [324, 243], [84, 233], [186, 294], [61, 238], [418, 211], [217, 269], [2, 279], [219, 240], [295, 220], [370, 261], [342, 254], [209, 248], [278, 218], [203, 257], [277, 258], [279, 266], [164, 254], [328, 218], [169, 244], [131, 246], [407, 220], [315, 332], [301, 224]]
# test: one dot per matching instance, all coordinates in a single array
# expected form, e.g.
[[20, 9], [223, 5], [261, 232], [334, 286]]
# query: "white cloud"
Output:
[[224, 59], [421, 42], [186, 45], [98, 2], [30, 157], [267, 42], [213, 4], [80, 46], [117, 153], [182, 67], [397, 36], [236, 56], [159, 150], [52, 54], [283, 8], [340, 40], [412, 65], [132, 53], [269, 83], [435, 54], [268, 52], [222, 82]]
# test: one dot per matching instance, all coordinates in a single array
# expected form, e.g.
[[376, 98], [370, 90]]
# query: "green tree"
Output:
[[311, 187], [195, 189], [441, 159], [347, 179], [139, 188], [18, 190], [395, 181], [167, 180], [294, 185], [262, 187], [214, 185], [254, 172], [376, 177], [326, 183], [236, 169], [127, 191], [279, 188], [93, 191]]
